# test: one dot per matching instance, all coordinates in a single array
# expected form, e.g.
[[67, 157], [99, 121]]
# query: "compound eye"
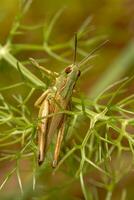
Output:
[[68, 70]]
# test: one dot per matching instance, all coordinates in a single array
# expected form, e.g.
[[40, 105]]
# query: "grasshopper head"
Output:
[[73, 69]]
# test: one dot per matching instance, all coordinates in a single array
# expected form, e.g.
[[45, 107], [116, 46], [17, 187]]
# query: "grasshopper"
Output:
[[53, 100]]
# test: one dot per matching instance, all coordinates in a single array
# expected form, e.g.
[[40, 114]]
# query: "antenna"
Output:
[[75, 48], [84, 60]]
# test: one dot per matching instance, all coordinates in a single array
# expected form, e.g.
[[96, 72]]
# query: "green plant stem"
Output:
[[5, 54]]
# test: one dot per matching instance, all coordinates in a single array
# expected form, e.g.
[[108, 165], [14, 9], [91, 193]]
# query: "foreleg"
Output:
[[41, 98]]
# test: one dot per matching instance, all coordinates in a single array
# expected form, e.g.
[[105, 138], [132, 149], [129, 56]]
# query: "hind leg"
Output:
[[58, 143], [42, 131]]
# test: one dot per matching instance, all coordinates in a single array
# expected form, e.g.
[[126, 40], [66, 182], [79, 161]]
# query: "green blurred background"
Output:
[[112, 19]]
